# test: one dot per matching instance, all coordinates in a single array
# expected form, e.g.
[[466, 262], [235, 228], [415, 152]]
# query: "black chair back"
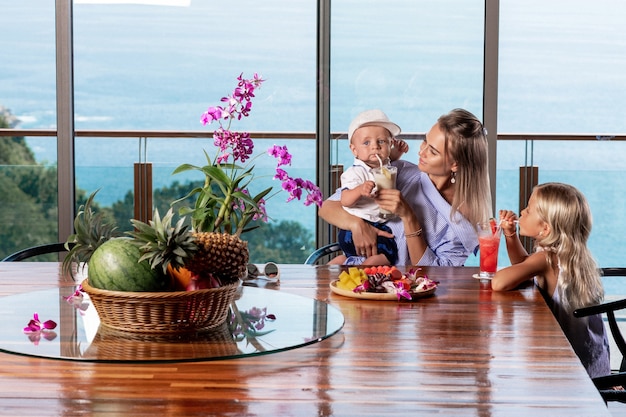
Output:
[[611, 387], [318, 254], [35, 251]]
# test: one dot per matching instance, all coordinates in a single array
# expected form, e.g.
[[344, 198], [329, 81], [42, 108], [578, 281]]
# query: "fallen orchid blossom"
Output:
[[35, 325]]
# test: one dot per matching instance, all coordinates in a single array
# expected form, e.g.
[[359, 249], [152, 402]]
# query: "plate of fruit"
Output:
[[383, 283]]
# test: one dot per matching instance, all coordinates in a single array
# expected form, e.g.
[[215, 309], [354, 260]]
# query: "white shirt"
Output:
[[365, 207]]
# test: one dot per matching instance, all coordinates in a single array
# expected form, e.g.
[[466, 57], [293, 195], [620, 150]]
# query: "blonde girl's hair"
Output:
[[567, 212], [466, 144]]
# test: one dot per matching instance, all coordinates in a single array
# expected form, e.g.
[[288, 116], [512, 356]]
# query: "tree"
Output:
[[284, 242], [28, 194], [28, 197]]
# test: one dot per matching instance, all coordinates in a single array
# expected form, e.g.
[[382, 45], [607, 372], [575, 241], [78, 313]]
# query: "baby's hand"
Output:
[[367, 187], [398, 147], [508, 222]]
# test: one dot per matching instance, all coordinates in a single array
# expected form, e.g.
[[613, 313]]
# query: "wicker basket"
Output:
[[162, 312]]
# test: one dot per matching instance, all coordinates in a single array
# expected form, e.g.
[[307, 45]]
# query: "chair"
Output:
[[325, 250], [35, 251], [606, 384]]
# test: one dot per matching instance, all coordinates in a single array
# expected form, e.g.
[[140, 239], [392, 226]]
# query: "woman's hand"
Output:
[[393, 201], [364, 235]]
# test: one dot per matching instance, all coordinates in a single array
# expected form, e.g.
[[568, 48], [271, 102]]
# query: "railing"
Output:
[[143, 184], [136, 134]]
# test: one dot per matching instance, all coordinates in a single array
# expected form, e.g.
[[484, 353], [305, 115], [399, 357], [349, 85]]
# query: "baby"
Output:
[[372, 138]]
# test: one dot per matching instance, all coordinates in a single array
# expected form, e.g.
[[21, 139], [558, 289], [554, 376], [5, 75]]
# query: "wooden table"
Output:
[[464, 351]]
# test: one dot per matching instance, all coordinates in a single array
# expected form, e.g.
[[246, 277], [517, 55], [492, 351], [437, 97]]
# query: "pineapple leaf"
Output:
[[90, 231], [161, 243]]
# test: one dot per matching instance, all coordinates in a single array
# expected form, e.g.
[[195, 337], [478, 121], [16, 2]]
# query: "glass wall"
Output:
[[27, 53], [562, 69], [28, 188], [414, 60], [160, 68], [562, 66]]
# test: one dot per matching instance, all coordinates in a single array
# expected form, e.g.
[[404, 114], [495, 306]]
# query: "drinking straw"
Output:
[[381, 161]]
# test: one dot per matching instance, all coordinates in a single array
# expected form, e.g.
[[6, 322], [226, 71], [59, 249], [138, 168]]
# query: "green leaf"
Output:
[[184, 168], [216, 173]]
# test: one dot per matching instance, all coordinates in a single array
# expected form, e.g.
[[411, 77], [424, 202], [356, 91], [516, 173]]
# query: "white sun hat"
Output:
[[373, 118]]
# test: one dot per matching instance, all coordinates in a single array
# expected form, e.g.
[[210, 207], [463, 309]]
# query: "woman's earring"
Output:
[[453, 177]]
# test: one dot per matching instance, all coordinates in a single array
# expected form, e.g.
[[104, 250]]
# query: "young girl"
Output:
[[559, 219]]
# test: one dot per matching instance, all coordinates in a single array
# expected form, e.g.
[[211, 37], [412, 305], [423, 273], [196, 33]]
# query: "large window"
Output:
[[562, 66], [562, 70], [27, 53], [28, 190], [414, 60], [158, 68]]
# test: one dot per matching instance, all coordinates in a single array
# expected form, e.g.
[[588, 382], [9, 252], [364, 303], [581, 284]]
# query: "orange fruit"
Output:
[[181, 278]]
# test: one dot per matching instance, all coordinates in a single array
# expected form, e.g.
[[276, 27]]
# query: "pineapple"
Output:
[[207, 255], [221, 254]]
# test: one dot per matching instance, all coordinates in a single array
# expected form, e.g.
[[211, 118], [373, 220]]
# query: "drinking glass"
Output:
[[489, 234], [385, 178]]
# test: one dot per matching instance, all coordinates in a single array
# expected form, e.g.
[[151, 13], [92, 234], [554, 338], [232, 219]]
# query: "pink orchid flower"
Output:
[[35, 325]]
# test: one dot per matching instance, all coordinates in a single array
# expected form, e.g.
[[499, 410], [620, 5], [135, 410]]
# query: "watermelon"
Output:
[[114, 266]]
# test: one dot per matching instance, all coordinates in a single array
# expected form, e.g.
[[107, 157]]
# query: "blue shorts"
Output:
[[386, 245]]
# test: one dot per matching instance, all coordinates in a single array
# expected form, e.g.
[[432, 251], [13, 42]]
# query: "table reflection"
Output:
[[261, 321]]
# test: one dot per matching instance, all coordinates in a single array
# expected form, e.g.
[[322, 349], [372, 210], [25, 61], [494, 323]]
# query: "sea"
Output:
[[562, 68]]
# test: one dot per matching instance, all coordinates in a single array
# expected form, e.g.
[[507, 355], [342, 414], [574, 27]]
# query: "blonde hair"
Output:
[[466, 144], [567, 212]]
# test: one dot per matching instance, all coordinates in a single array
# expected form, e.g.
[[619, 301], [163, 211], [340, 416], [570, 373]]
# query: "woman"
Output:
[[437, 202]]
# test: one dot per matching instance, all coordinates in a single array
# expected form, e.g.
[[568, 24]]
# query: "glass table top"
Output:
[[261, 321]]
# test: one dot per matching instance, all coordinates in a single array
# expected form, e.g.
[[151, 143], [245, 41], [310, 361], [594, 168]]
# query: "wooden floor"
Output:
[[464, 351]]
